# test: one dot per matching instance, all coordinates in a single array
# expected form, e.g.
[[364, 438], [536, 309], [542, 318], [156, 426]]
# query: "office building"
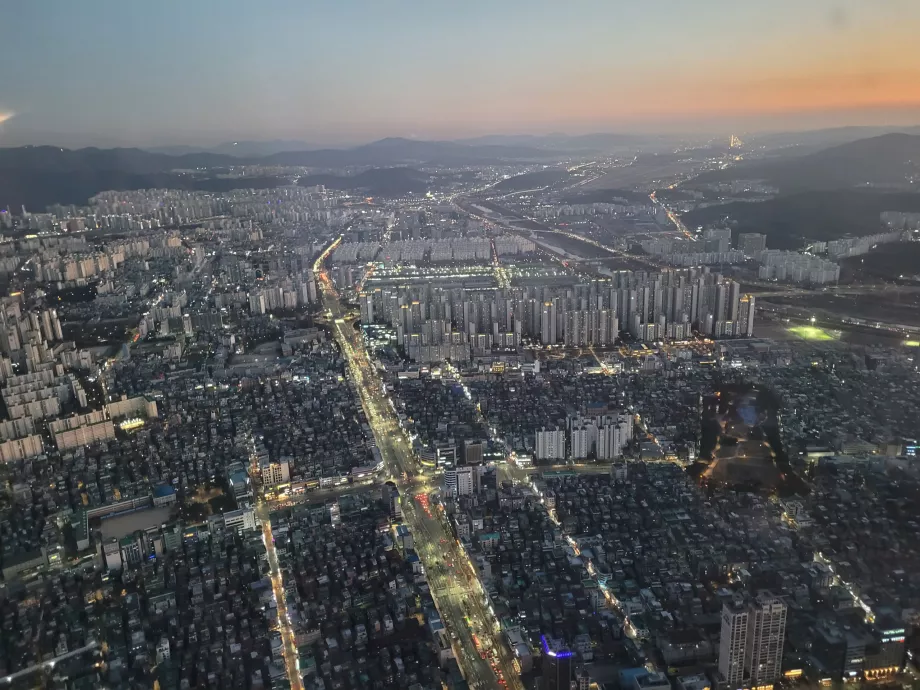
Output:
[[557, 665], [275, 472], [462, 481], [391, 500], [473, 452]]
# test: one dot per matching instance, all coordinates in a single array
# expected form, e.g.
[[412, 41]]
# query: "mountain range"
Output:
[[884, 161], [38, 176], [599, 142]]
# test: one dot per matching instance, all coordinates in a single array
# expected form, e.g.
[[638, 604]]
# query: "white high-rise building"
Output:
[[366, 301], [256, 303], [751, 644], [467, 480], [732, 642], [763, 657], [608, 442], [550, 445], [580, 444]]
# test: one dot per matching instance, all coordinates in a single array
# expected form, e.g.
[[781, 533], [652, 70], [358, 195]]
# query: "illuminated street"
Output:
[[454, 587], [291, 663], [284, 624]]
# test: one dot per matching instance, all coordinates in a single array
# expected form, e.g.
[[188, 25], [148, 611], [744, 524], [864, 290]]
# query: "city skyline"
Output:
[[108, 74]]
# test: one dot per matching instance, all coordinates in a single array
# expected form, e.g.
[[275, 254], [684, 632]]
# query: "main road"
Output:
[[263, 513], [455, 588]]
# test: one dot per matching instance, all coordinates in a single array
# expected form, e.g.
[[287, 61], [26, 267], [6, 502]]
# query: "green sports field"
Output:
[[811, 333]]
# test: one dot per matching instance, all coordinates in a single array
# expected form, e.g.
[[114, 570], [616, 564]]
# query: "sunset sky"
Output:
[[111, 72]]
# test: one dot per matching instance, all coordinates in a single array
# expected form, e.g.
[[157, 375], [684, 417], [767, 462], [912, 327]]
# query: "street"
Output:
[[454, 587]]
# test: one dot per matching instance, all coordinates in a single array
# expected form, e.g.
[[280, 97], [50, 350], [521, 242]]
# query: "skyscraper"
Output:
[[751, 644], [766, 633], [745, 324], [732, 642], [557, 665]]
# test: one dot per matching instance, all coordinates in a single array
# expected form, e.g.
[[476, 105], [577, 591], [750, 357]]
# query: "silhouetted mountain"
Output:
[[239, 149], [37, 190], [823, 138], [883, 160], [376, 181], [38, 176], [790, 221], [599, 142], [396, 151], [57, 160]]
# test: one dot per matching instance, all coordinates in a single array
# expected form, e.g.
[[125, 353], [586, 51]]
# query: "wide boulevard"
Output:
[[455, 588]]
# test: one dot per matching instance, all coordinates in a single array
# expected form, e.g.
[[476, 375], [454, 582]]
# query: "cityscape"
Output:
[[590, 411]]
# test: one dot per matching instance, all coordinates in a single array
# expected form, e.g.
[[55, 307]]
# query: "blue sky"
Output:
[[76, 72]]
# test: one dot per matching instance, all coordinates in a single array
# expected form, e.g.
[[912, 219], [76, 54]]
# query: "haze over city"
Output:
[[507, 345], [173, 72]]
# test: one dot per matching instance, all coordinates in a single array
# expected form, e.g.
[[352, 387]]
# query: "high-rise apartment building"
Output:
[[763, 657], [752, 638], [752, 242], [732, 642], [550, 444], [580, 443], [745, 322]]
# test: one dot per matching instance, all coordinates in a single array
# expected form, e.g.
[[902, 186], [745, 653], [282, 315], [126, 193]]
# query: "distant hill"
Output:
[[38, 190], [376, 181], [898, 261], [823, 138], [599, 142], [39, 176], [124, 160], [240, 149], [397, 151], [534, 180], [790, 221], [883, 161]]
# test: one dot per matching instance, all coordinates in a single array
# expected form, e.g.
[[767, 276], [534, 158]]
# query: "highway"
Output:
[[455, 588], [465, 206], [678, 223]]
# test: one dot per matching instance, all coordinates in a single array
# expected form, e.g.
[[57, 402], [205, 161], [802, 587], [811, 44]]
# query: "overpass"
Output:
[[47, 665]]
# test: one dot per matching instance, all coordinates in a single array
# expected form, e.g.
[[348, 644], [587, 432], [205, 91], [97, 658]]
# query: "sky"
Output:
[[110, 72]]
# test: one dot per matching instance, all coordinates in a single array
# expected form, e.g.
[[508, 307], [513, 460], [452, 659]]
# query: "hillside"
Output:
[[789, 221], [898, 261], [885, 160], [38, 190], [39, 176]]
